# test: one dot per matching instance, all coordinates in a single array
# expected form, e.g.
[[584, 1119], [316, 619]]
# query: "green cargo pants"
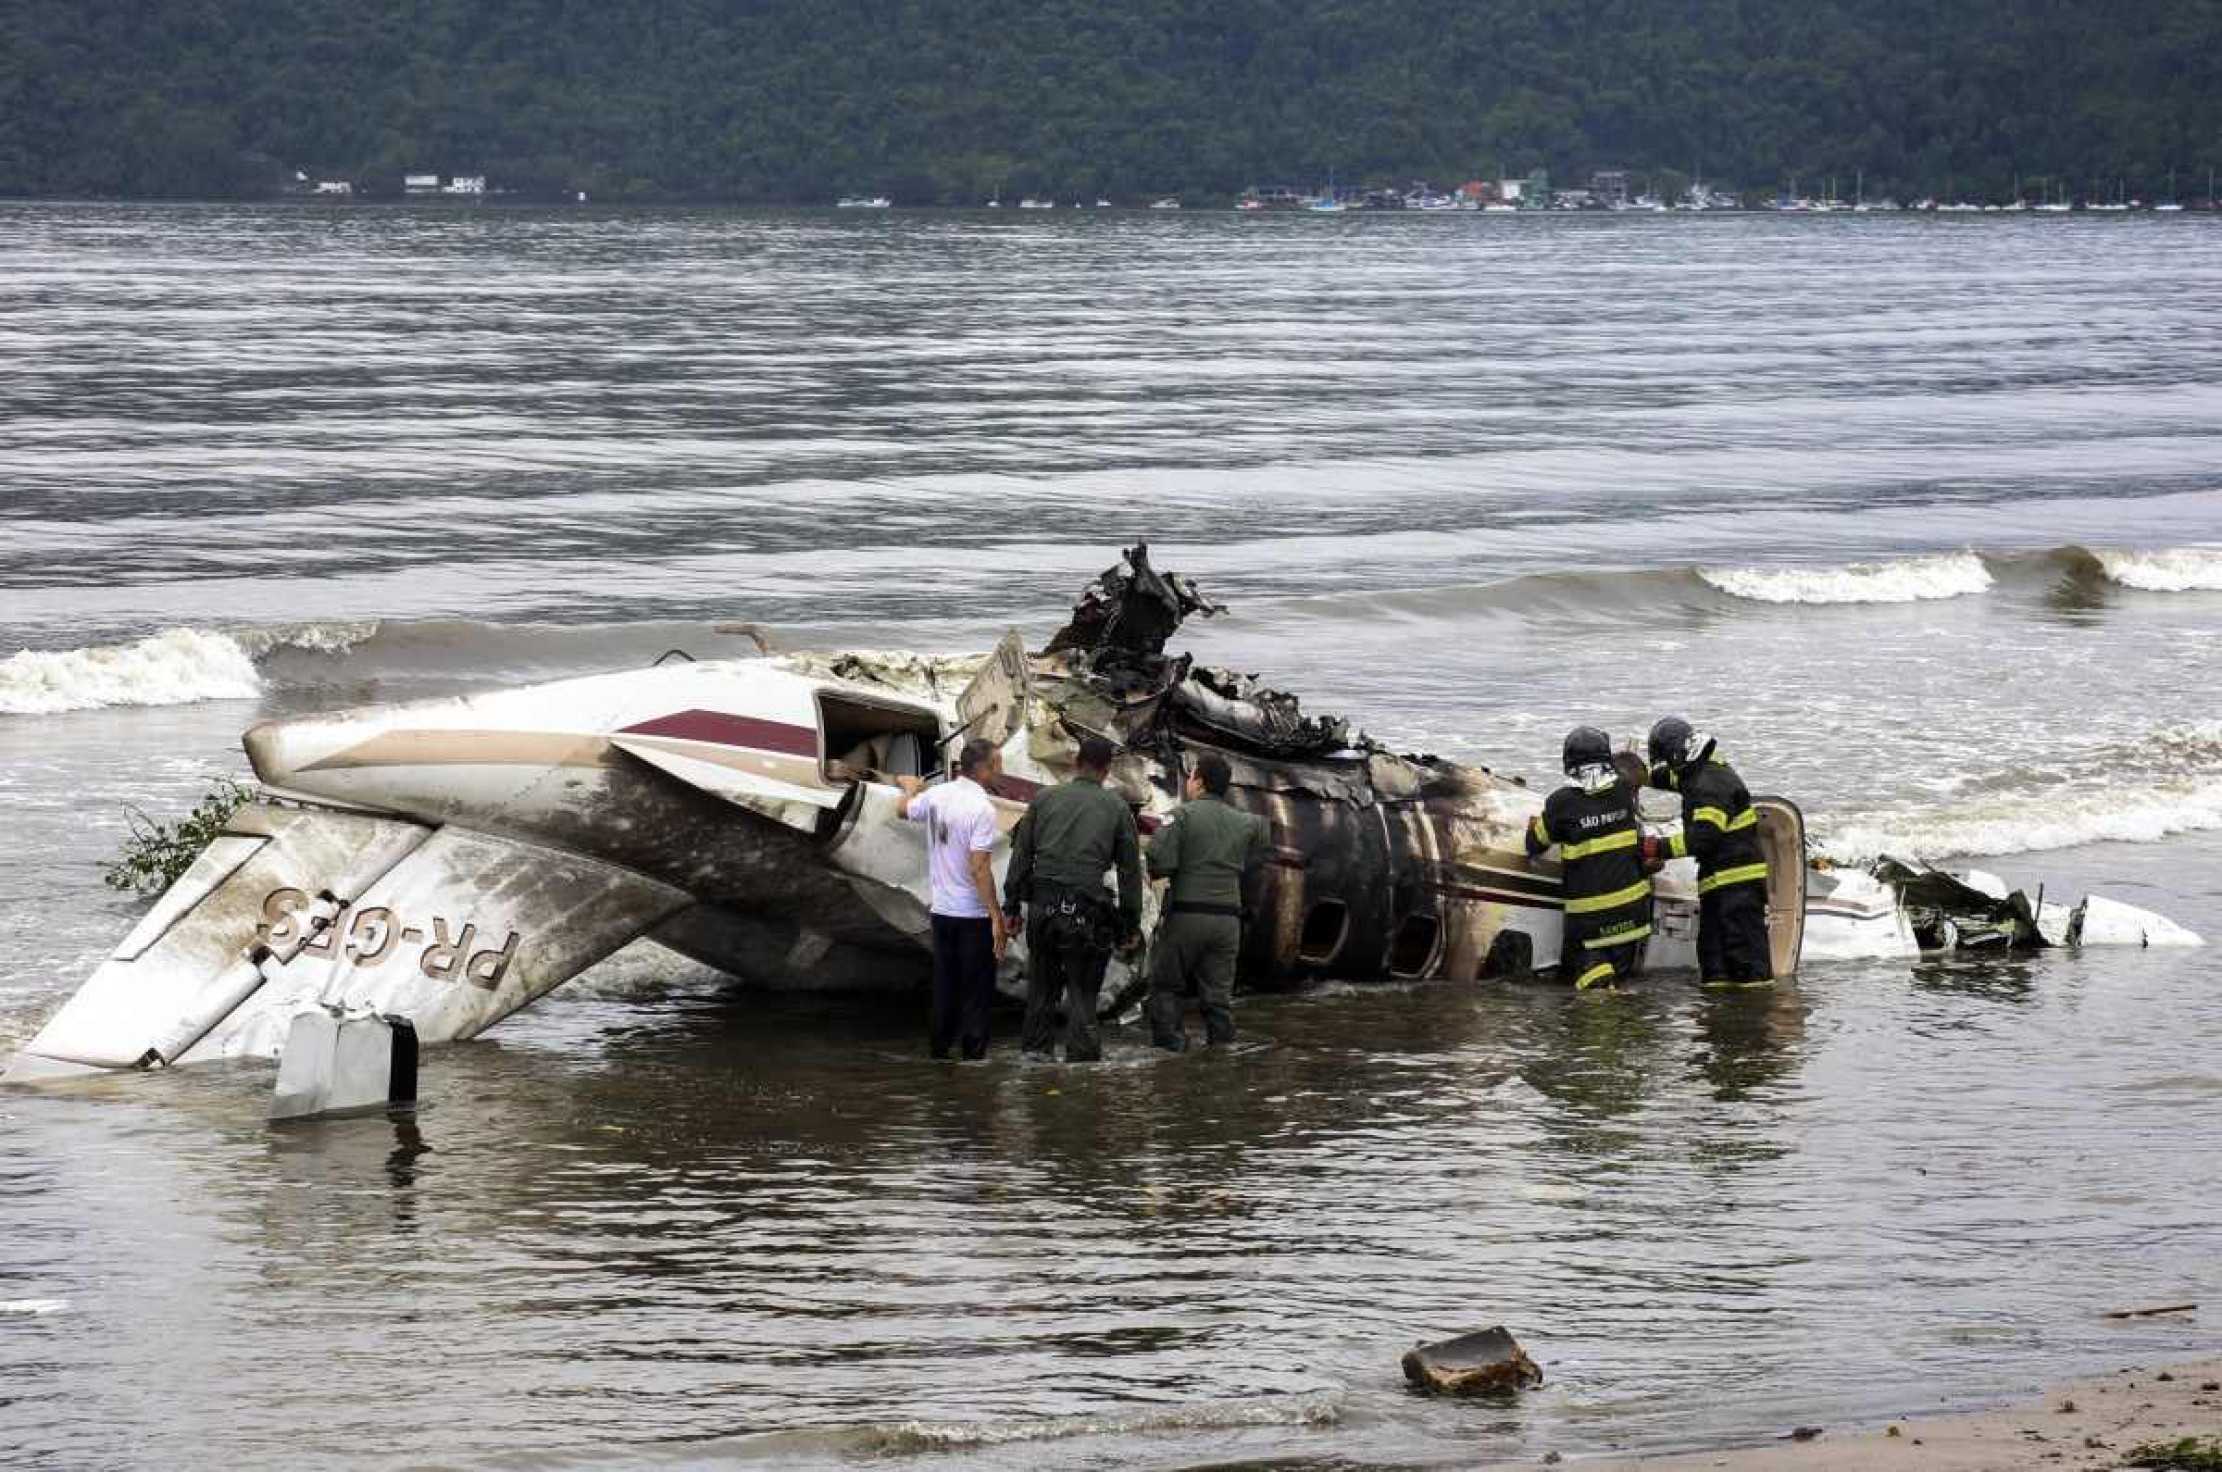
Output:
[[1193, 952]]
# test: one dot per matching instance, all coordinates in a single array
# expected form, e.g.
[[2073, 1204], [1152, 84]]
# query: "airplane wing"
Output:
[[297, 907]]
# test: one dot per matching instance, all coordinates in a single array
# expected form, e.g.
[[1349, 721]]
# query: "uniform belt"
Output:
[[1065, 900], [1199, 907]]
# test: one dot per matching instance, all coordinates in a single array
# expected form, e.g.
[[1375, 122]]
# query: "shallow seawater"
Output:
[[1919, 516]]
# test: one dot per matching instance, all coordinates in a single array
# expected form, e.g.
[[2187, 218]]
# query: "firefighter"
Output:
[[1071, 836], [1208, 850], [1721, 830], [1607, 884]]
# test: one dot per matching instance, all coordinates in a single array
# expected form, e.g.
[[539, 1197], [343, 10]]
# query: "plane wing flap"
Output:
[[188, 963], [466, 930]]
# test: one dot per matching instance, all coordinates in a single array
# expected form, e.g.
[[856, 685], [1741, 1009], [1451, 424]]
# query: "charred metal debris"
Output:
[[1114, 647]]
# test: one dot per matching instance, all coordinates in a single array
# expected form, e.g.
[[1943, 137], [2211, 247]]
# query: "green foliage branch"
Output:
[[156, 853]]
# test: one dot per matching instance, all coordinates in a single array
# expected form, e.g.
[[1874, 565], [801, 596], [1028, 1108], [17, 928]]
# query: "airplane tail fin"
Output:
[[292, 908]]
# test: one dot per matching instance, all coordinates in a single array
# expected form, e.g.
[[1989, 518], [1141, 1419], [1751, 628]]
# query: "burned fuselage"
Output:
[[1383, 865], [451, 861]]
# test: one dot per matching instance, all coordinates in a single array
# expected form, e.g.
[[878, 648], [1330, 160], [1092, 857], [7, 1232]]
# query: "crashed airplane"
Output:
[[451, 861]]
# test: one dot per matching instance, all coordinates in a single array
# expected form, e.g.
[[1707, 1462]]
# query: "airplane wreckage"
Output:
[[447, 862]]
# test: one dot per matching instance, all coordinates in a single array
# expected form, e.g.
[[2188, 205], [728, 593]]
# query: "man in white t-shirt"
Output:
[[969, 933]]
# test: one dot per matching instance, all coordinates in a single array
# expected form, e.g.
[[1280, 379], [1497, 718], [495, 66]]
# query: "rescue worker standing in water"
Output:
[[1607, 884], [1071, 835], [1208, 850], [1720, 829]]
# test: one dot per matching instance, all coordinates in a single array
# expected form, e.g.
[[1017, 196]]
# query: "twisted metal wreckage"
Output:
[[450, 861]]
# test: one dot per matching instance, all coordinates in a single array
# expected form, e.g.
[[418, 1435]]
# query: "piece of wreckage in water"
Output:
[[1973, 910], [451, 861]]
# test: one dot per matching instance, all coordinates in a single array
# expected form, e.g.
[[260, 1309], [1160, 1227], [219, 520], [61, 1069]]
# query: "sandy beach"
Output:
[[2086, 1423]]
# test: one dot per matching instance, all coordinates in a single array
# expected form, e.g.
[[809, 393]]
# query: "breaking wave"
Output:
[[319, 638], [174, 667], [2025, 827], [2175, 570], [1908, 580], [181, 665], [2169, 784]]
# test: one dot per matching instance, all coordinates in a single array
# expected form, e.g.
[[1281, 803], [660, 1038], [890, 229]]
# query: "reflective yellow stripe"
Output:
[[1602, 971], [1636, 891], [1741, 874], [1679, 846], [1603, 845], [1542, 834], [1617, 938], [1720, 819]]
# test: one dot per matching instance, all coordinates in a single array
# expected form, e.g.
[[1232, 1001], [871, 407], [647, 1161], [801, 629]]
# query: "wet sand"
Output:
[[2084, 1424]]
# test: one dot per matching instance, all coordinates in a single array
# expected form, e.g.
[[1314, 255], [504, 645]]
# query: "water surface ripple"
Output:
[[1919, 515]]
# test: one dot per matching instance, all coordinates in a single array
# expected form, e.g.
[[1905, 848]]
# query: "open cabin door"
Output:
[[1782, 840], [994, 705]]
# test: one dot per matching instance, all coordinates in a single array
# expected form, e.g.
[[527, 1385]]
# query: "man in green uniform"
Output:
[[1071, 835], [1208, 851]]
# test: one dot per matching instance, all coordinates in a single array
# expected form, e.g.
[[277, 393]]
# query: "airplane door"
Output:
[[1782, 839], [994, 704]]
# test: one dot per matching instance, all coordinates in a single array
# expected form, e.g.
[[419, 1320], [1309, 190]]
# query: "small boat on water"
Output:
[[1031, 203], [1169, 202], [863, 202]]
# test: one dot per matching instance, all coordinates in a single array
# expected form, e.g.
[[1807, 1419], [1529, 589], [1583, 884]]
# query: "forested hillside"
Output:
[[948, 100]]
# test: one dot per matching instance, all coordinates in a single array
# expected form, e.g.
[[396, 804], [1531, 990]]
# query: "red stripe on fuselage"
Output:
[[1021, 789], [720, 729]]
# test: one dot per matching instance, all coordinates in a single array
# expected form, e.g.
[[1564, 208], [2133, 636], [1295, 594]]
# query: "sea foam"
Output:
[[1908, 580], [174, 667], [2173, 570], [2025, 824]]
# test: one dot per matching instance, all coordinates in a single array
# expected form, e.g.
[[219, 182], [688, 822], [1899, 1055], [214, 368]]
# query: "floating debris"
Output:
[[1488, 1362]]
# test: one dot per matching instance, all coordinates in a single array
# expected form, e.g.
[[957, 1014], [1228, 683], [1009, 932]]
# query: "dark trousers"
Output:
[[1585, 967], [1584, 961], [1063, 964], [1194, 952], [1732, 942], [964, 984]]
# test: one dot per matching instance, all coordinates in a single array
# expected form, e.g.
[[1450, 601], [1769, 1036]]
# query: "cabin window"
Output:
[[861, 737], [1413, 952], [1325, 925]]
